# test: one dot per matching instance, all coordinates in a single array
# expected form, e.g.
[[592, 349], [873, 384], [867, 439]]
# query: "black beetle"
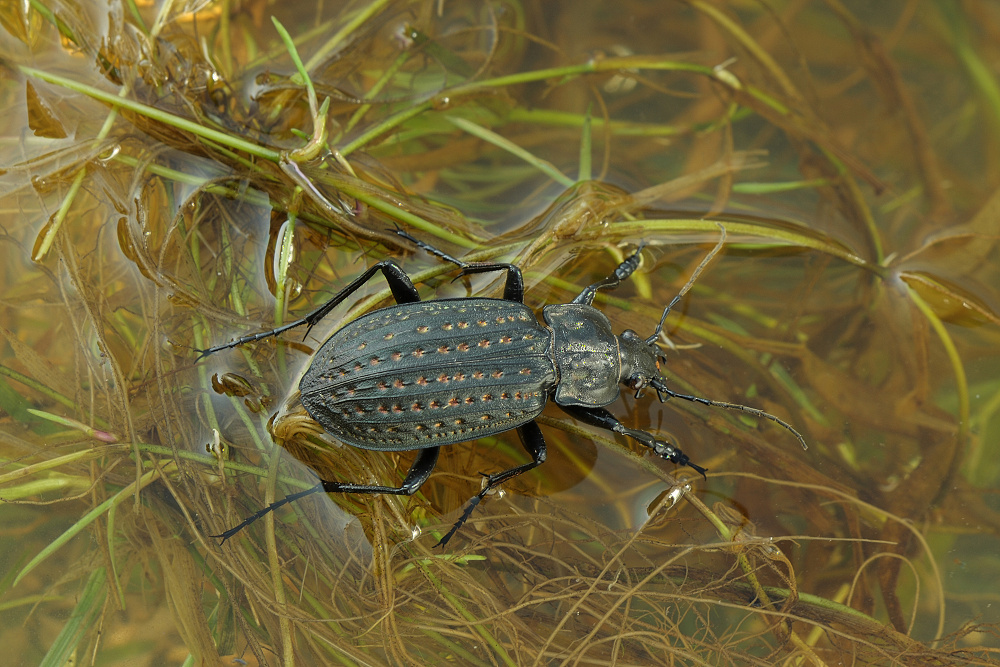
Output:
[[424, 374]]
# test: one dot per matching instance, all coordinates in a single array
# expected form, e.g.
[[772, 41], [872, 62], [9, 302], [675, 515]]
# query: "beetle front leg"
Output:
[[534, 443], [419, 471], [624, 270], [604, 419], [402, 288]]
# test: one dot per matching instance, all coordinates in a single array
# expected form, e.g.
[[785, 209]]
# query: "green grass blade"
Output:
[[85, 521], [586, 141], [492, 137], [229, 140], [84, 615]]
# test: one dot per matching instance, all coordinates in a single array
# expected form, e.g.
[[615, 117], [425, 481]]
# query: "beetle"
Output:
[[421, 375]]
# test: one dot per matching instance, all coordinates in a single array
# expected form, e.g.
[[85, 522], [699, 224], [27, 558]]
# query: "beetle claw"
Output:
[[697, 467]]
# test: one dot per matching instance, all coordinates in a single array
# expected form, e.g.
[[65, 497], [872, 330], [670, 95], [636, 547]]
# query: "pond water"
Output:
[[177, 175]]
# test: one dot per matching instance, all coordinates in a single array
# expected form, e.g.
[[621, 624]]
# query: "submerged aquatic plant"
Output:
[[181, 177]]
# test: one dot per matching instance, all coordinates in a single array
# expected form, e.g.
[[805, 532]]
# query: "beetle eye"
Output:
[[636, 382]]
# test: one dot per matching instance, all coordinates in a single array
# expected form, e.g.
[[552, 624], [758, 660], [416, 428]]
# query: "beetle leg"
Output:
[[624, 270], [427, 247], [415, 477], [514, 287], [604, 419], [534, 443], [402, 288]]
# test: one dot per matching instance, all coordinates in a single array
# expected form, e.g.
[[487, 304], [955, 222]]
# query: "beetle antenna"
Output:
[[662, 390], [689, 283]]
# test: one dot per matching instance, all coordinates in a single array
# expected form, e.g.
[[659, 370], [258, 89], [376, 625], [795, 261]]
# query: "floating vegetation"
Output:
[[175, 175]]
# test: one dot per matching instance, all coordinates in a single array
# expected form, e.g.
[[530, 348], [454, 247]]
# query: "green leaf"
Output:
[[84, 615]]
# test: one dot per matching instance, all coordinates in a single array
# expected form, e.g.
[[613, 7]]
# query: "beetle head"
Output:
[[640, 362]]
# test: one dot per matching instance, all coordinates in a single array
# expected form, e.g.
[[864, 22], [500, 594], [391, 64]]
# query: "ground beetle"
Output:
[[424, 374]]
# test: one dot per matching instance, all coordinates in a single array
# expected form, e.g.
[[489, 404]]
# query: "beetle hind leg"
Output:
[[534, 443], [418, 473]]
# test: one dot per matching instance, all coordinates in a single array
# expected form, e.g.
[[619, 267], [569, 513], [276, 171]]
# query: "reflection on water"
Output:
[[849, 154]]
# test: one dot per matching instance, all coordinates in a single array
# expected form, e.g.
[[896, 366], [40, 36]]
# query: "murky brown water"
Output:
[[849, 151]]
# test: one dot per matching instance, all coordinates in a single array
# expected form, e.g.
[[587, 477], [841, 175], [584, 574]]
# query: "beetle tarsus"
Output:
[[624, 270], [270, 508], [427, 247], [418, 473], [675, 455], [534, 443], [469, 507]]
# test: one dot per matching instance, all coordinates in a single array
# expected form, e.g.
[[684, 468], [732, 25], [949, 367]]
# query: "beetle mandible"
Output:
[[421, 375]]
